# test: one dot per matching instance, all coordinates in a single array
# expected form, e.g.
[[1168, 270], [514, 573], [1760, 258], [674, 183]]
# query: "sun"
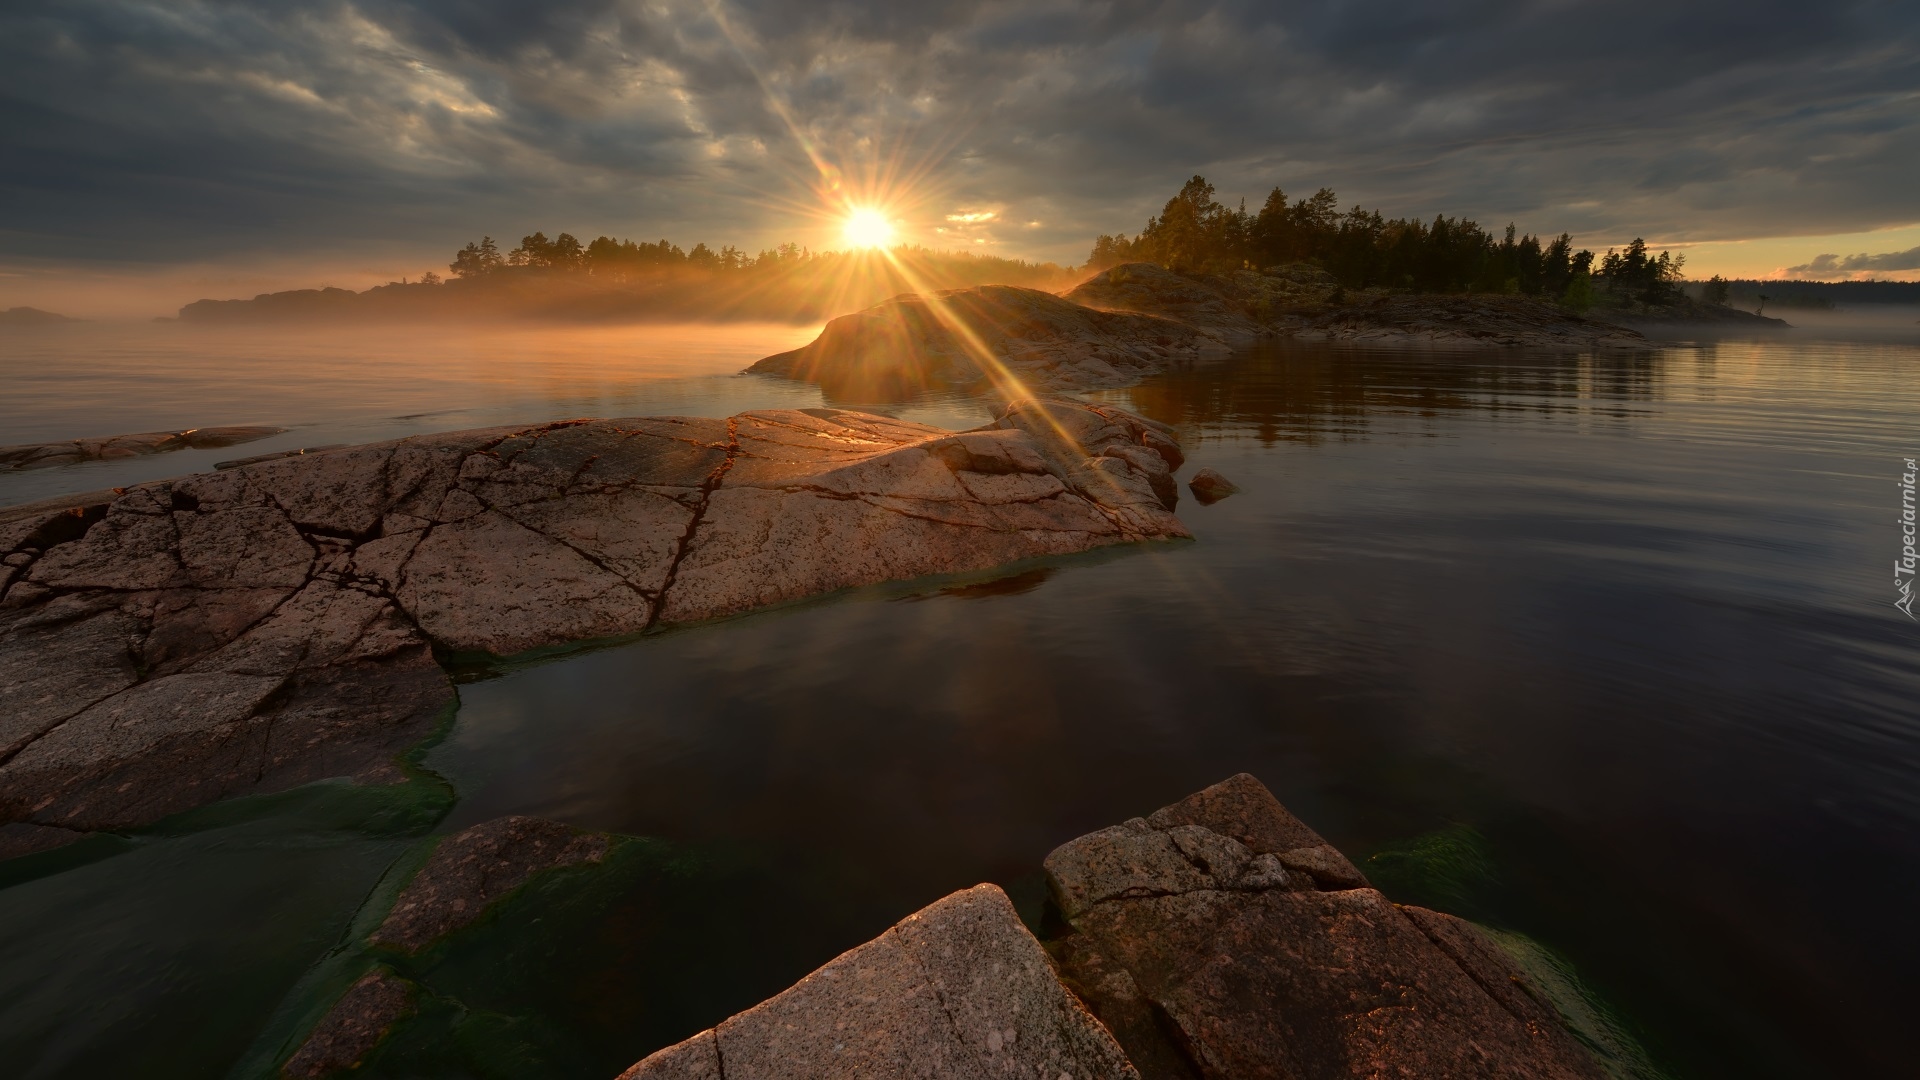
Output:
[[866, 227]]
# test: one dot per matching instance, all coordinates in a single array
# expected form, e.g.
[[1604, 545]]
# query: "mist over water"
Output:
[[332, 385], [1616, 630]]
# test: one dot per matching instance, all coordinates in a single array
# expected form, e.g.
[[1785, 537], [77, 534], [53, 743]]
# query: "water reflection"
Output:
[[1615, 619], [1296, 392]]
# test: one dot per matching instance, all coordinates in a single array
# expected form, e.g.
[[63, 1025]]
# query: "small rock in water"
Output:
[[1210, 487]]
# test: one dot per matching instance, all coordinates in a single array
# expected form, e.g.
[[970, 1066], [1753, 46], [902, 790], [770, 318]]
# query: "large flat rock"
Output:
[[957, 990], [1221, 937], [170, 644]]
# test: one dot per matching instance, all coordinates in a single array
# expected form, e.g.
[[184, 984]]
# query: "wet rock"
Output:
[[354, 1026], [959, 989], [1221, 937], [1210, 487], [45, 455], [472, 870]]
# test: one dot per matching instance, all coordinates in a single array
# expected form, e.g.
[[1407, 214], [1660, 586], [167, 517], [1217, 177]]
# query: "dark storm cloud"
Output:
[[192, 130]]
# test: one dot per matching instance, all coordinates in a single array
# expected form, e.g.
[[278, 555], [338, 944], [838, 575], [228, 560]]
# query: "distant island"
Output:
[[620, 280], [1362, 251], [30, 316]]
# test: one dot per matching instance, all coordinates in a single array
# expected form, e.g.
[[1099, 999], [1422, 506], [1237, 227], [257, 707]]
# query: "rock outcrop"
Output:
[[992, 338], [74, 451], [1218, 938], [1138, 319], [1221, 937], [252, 629], [1478, 320], [1234, 309], [959, 989]]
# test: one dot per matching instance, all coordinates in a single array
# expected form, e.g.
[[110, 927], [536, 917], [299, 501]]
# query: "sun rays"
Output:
[[867, 227]]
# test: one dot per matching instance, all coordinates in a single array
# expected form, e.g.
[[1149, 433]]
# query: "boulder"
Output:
[[958, 989], [1210, 487], [1221, 937], [174, 643]]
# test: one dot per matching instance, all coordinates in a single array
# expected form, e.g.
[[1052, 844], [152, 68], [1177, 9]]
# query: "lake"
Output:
[[1598, 649]]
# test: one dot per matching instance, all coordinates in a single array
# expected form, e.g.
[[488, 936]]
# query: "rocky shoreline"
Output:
[[1217, 937], [179, 642], [115, 447]]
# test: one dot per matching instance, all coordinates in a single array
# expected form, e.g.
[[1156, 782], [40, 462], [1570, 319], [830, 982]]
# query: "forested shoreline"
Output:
[[1194, 233], [1364, 249]]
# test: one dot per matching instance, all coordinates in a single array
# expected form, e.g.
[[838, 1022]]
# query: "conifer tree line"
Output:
[[1363, 249], [605, 257]]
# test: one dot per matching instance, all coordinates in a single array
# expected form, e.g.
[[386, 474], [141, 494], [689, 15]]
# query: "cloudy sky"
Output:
[[237, 143]]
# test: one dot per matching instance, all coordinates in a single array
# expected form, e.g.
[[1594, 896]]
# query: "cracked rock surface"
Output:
[[959, 989], [167, 645], [1221, 937]]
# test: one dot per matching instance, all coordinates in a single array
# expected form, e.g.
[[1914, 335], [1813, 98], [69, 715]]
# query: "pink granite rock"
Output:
[[1221, 937], [271, 624], [959, 989]]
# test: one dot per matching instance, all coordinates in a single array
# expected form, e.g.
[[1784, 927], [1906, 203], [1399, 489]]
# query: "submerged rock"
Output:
[[1210, 487], [1222, 937], [354, 1026], [472, 870], [957, 989], [253, 629], [73, 451]]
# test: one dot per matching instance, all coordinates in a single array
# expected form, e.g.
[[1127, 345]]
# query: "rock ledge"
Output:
[[167, 645]]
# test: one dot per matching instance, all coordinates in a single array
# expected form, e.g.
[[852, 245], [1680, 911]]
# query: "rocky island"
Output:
[[1139, 319]]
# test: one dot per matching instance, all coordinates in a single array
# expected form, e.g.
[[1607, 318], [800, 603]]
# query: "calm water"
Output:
[[1613, 635]]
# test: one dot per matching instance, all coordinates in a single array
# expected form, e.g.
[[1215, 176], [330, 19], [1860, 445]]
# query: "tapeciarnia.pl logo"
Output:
[[1904, 565]]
